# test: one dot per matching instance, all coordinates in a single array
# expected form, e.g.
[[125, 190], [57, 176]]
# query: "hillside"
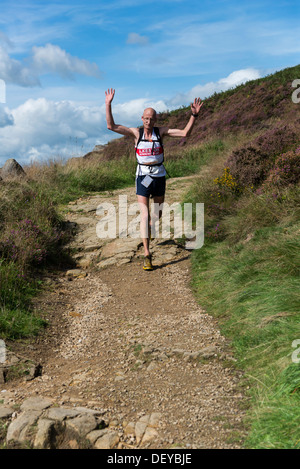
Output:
[[250, 108]]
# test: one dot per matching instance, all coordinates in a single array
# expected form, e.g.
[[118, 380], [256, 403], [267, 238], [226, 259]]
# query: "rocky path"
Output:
[[129, 355]]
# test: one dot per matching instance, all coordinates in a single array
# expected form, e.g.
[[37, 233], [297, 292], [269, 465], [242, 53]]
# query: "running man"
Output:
[[150, 173]]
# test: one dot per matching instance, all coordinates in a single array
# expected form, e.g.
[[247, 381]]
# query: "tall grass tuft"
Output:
[[247, 275]]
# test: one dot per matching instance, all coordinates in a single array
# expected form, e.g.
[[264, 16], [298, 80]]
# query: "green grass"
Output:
[[192, 159], [252, 287], [16, 318], [63, 183]]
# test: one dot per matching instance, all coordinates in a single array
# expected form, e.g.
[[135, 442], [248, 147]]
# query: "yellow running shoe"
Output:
[[148, 263]]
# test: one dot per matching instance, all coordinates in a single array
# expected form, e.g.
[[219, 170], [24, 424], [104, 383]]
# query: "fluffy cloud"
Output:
[[203, 91], [6, 117], [47, 59], [2, 91], [130, 113], [43, 129], [53, 59], [14, 71]]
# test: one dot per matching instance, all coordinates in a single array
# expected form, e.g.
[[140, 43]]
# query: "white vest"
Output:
[[147, 154]]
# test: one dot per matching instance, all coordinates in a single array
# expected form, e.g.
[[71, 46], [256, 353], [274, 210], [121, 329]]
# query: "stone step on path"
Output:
[[41, 424], [92, 250]]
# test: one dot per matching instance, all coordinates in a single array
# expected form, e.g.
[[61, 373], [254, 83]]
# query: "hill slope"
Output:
[[251, 108]]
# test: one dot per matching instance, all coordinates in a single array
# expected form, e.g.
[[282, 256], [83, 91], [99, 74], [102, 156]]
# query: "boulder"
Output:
[[20, 428], [12, 169]]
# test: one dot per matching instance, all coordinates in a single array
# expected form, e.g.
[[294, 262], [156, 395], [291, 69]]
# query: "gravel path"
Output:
[[135, 343]]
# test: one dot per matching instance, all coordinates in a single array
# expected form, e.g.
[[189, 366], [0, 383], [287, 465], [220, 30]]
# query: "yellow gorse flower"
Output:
[[228, 181]]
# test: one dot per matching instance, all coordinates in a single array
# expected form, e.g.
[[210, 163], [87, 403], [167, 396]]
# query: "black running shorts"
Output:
[[157, 188]]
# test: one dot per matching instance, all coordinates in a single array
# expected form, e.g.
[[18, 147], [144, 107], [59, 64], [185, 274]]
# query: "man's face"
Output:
[[149, 118]]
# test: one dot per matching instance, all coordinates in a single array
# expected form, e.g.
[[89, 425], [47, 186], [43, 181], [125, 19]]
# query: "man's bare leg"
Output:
[[145, 222], [156, 213]]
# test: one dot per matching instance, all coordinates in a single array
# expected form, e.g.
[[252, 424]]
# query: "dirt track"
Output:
[[133, 343]]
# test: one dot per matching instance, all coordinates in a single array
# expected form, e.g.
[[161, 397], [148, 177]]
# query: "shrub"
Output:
[[250, 165], [222, 196], [246, 165], [227, 181], [26, 244], [276, 140], [285, 171]]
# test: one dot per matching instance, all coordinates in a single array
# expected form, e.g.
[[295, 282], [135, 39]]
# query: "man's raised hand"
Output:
[[196, 105], [109, 95]]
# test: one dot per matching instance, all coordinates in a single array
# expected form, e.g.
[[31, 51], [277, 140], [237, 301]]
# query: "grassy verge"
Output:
[[16, 318], [247, 275], [31, 238], [192, 159], [64, 183]]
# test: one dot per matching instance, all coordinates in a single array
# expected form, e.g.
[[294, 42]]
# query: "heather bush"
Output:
[[31, 230], [21, 201], [285, 171], [27, 245], [250, 165], [276, 140], [247, 165]]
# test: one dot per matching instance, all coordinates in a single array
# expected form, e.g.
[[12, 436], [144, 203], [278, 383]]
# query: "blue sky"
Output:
[[58, 58]]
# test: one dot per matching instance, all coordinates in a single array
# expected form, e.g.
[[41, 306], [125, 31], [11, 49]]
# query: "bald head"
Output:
[[149, 118], [149, 112]]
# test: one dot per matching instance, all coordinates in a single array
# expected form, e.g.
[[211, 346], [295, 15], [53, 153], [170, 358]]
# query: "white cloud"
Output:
[[238, 77], [203, 91], [45, 128], [134, 38], [2, 91], [53, 59], [6, 117], [14, 71], [47, 59], [42, 128]]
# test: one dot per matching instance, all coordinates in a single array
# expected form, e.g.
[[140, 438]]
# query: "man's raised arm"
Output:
[[120, 129], [195, 108]]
